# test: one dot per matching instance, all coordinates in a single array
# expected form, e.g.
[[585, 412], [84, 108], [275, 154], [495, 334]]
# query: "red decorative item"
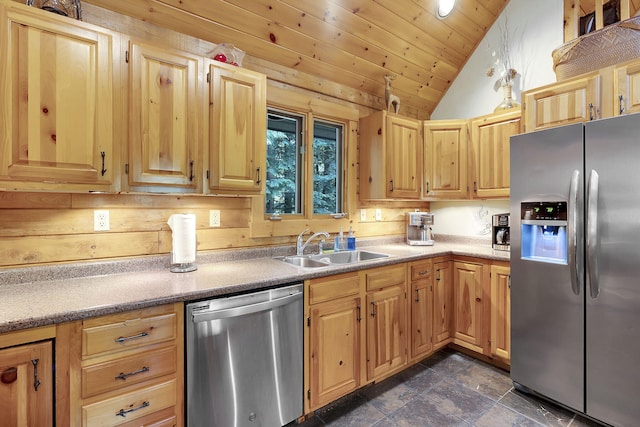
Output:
[[227, 53]]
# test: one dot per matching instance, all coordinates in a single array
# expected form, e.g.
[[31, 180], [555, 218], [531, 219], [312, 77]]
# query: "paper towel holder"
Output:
[[181, 267]]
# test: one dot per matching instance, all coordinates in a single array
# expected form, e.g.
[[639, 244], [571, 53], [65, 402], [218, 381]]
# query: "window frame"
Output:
[[307, 104], [307, 174]]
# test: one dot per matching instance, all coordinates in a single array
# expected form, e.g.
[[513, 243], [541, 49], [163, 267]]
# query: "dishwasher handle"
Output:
[[203, 316]]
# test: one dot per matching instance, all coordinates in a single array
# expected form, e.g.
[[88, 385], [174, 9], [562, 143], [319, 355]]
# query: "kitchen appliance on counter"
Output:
[[575, 239], [419, 228], [500, 233], [244, 359]]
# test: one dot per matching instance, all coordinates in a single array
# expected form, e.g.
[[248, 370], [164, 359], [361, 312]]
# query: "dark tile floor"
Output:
[[448, 389]]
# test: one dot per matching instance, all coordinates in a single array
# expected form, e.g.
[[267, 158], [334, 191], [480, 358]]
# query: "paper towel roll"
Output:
[[183, 228]]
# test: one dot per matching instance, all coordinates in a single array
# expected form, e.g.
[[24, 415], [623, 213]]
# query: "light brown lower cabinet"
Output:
[[364, 326], [442, 302], [333, 339], [123, 369], [27, 384], [500, 338], [386, 320], [469, 295], [421, 305]]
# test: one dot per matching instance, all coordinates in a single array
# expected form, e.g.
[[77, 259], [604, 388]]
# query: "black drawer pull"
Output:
[[123, 413], [134, 337], [124, 376]]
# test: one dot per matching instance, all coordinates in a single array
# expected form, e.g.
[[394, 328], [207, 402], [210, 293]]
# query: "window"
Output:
[[296, 168], [327, 167], [284, 163]]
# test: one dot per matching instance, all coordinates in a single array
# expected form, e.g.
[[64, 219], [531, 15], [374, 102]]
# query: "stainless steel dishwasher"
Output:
[[244, 359]]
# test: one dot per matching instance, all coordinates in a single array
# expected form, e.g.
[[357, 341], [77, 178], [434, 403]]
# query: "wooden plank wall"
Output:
[[43, 228]]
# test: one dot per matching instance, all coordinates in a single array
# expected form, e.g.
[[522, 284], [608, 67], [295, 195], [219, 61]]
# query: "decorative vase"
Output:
[[507, 101]]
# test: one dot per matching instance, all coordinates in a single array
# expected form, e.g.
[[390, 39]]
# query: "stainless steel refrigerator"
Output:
[[575, 266]]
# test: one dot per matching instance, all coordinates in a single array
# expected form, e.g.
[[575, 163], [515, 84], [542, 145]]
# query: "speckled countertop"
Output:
[[39, 296]]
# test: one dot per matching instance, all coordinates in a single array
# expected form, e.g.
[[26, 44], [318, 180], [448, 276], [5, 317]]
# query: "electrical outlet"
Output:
[[363, 215], [101, 220], [378, 215], [214, 218]]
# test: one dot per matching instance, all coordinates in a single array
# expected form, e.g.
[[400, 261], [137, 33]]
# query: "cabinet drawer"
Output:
[[332, 287], [132, 333], [130, 406], [165, 418], [127, 371], [386, 276], [421, 270]]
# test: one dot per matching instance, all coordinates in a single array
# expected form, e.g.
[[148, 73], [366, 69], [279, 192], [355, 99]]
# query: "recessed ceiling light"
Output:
[[445, 7]]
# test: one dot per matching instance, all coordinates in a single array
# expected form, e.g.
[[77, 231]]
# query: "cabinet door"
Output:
[[445, 159], [238, 129], [500, 312], [334, 350], [421, 303], [572, 101], [468, 299], [490, 139], [403, 147], [627, 88], [163, 126], [26, 385], [386, 339], [442, 303], [56, 94]]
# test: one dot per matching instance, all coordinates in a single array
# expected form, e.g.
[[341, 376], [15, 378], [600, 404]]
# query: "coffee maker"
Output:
[[419, 228], [500, 231]]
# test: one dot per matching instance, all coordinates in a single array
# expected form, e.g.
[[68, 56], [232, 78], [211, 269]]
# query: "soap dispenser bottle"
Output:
[[339, 242], [351, 240]]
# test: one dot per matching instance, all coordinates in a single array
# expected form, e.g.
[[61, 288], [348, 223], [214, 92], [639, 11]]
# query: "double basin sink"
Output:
[[324, 260]]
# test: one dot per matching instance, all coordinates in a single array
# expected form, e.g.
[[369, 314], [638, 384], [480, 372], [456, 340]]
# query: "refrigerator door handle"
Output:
[[572, 238], [592, 234]]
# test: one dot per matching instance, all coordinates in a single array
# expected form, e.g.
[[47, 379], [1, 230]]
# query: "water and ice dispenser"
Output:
[[544, 231]]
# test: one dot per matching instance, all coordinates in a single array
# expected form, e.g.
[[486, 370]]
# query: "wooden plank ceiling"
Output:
[[349, 45]]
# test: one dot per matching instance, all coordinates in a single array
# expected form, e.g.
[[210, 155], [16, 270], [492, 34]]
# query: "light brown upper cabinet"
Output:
[[164, 119], [56, 95], [237, 129], [390, 157], [489, 154], [445, 159], [570, 101], [626, 85]]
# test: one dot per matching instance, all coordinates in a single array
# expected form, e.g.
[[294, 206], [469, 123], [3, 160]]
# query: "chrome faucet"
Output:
[[301, 246]]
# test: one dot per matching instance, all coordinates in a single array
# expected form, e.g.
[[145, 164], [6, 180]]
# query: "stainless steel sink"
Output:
[[348, 257], [324, 260], [302, 261]]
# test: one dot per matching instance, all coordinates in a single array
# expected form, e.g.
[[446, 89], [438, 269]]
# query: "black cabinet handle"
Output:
[[121, 340], [124, 376], [191, 176], [36, 381], [103, 154], [123, 413]]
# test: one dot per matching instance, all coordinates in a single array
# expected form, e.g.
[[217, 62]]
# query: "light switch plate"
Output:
[[378, 214], [214, 218], [363, 215]]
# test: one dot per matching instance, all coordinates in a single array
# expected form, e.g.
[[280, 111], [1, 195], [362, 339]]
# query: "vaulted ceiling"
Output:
[[343, 48]]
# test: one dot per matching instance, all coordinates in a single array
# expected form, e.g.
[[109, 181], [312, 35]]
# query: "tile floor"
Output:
[[448, 389]]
